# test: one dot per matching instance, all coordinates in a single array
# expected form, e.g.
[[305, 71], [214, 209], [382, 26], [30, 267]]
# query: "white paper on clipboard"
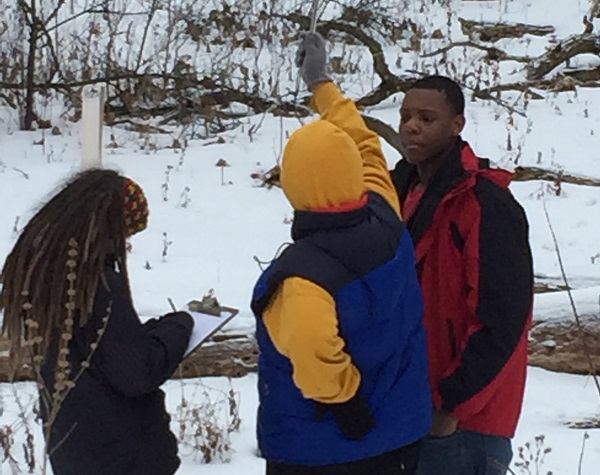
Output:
[[206, 325]]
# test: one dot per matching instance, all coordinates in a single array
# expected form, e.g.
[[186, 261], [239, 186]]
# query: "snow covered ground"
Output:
[[552, 401], [217, 235]]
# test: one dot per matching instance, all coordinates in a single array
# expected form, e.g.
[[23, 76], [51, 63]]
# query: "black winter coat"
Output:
[[114, 421]]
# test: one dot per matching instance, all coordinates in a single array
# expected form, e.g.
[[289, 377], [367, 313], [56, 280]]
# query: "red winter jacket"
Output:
[[475, 268]]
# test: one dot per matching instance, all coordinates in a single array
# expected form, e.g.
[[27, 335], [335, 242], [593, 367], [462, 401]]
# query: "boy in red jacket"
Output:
[[475, 268]]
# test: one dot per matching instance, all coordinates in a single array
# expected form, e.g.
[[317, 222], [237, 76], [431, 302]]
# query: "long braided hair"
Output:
[[55, 267]]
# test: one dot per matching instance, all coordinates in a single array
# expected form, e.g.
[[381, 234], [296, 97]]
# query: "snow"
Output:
[[552, 401], [217, 238]]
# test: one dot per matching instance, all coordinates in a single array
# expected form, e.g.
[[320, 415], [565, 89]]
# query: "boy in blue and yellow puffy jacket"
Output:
[[343, 383]]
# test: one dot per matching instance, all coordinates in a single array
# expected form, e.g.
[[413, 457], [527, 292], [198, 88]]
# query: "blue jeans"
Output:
[[464, 453]]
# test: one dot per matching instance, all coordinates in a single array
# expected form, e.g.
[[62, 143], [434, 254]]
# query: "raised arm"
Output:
[[341, 111]]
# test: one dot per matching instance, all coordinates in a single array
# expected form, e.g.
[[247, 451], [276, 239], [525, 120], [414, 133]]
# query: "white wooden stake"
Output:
[[92, 121]]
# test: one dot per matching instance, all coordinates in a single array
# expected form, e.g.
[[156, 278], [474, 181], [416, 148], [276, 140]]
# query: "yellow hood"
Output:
[[321, 168]]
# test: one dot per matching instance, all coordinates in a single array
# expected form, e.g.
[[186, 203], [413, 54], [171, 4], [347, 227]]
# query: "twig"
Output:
[[586, 348], [21, 172], [586, 436], [62, 440], [151, 13], [90, 12]]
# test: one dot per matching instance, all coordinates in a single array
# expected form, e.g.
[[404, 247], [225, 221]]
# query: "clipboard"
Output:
[[206, 325]]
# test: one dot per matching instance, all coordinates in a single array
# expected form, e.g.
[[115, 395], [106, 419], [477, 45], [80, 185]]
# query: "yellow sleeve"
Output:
[[303, 326], [341, 111]]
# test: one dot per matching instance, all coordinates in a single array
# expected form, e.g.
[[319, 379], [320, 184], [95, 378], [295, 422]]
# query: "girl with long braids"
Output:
[[68, 313]]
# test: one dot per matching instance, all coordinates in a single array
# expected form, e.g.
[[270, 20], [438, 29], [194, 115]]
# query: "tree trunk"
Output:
[[30, 84]]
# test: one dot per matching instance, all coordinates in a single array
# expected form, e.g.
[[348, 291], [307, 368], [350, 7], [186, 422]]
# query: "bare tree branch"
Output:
[[151, 13], [493, 54], [90, 12], [386, 132], [563, 51], [54, 12]]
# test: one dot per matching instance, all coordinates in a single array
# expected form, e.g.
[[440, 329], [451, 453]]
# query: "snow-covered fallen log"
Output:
[[556, 342], [231, 354]]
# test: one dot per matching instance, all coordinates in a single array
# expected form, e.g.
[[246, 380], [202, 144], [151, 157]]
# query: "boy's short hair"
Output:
[[446, 86]]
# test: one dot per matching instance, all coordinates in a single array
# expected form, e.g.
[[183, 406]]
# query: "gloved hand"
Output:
[[311, 58], [354, 417]]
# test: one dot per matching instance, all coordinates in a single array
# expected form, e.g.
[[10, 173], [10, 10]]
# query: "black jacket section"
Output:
[[334, 249], [114, 422], [506, 270]]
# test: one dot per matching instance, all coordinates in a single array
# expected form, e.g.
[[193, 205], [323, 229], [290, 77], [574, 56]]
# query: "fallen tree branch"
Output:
[[227, 353], [493, 54], [568, 48], [491, 32], [207, 95], [488, 93], [590, 77], [535, 173]]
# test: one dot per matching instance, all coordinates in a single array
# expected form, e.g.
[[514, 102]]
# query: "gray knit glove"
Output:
[[311, 58]]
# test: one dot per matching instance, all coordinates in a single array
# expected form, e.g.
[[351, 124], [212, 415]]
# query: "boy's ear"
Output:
[[458, 124]]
